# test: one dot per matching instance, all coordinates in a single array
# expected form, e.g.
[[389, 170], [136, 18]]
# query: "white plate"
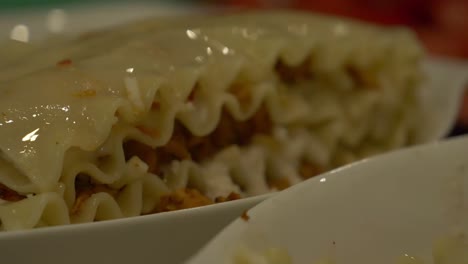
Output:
[[155, 238], [373, 211]]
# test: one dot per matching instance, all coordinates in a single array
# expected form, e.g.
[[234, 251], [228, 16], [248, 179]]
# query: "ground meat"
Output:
[[361, 78], [144, 152], [80, 199], [242, 93], [225, 133], [260, 122], [183, 145], [279, 183], [84, 188], [308, 170], [245, 216], [231, 197], [8, 194], [293, 74], [182, 199]]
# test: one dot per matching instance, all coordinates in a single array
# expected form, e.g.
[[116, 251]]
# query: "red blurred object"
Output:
[[463, 118], [445, 43], [441, 24], [383, 11], [451, 15]]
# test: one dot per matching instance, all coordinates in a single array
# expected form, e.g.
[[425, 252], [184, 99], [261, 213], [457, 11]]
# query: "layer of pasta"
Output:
[[167, 114]]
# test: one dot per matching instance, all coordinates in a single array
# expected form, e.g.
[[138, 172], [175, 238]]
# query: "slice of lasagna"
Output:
[[167, 114]]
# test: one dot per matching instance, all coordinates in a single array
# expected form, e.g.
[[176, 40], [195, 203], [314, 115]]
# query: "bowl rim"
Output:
[[130, 221]]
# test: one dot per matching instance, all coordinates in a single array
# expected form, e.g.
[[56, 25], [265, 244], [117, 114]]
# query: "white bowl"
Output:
[[373, 211], [168, 237]]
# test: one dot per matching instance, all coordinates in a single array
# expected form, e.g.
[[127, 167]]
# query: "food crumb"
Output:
[[245, 216], [65, 62]]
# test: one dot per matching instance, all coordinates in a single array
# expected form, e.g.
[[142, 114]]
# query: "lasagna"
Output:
[[172, 113]]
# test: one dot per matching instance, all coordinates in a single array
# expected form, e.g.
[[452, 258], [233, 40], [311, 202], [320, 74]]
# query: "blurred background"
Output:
[[442, 25]]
